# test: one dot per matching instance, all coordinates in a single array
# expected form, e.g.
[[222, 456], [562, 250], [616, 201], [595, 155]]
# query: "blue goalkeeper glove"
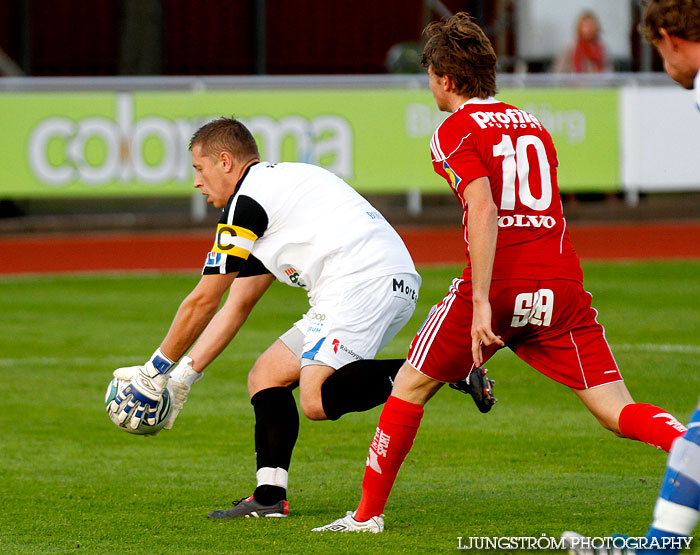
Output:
[[138, 400]]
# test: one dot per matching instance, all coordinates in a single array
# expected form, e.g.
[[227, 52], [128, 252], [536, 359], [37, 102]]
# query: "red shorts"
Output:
[[549, 324]]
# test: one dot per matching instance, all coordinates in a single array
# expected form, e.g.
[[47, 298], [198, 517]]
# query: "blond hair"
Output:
[[226, 135]]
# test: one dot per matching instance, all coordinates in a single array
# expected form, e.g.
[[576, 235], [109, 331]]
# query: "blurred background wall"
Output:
[[281, 37], [99, 97]]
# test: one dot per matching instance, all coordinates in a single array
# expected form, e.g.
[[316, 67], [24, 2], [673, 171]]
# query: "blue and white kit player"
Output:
[[673, 27]]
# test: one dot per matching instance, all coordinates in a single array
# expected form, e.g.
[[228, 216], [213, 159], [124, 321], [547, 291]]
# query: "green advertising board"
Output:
[[135, 144]]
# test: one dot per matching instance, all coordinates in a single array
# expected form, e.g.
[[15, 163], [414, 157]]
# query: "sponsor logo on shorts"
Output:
[[400, 287], [337, 345], [352, 353], [533, 308], [317, 322]]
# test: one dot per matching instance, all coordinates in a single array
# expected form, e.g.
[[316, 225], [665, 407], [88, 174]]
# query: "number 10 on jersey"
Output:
[[515, 162]]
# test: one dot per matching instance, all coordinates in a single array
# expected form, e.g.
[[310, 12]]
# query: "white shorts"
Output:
[[354, 323]]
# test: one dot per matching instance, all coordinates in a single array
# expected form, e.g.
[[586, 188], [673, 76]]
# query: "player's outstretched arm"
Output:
[[195, 313], [139, 399], [243, 296]]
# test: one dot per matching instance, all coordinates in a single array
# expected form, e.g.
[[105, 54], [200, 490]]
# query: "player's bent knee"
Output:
[[606, 403], [263, 377], [611, 422], [614, 428], [312, 407], [310, 395], [276, 367]]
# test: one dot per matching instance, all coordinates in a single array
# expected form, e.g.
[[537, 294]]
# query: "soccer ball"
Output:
[[163, 411]]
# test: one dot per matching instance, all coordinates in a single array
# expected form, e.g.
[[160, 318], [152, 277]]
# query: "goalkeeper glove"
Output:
[[140, 398], [181, 379]]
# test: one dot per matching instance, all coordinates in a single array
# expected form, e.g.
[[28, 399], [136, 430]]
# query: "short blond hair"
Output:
[[226, 135]]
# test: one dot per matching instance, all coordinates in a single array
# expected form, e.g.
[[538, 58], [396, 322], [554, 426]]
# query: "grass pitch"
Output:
[[70, 482]]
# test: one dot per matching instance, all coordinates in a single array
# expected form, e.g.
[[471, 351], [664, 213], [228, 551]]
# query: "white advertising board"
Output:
[[660, 138]]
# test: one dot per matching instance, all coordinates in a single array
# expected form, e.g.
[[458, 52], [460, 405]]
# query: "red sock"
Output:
[[398, 425], [650, 424]]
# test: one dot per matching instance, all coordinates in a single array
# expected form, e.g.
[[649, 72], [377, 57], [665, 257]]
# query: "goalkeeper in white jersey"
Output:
[[304, 226]]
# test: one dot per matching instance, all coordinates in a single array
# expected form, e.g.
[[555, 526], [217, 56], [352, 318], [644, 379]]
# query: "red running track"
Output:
[[186, 251]]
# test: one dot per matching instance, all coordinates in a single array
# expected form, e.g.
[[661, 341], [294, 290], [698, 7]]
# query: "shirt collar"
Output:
[[476, 100], [240, 181], [245, 174]]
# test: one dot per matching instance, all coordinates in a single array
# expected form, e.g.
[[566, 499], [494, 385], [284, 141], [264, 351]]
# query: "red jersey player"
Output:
[[522, 287]]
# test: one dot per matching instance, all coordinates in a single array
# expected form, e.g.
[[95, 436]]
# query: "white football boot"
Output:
[[349, 524]]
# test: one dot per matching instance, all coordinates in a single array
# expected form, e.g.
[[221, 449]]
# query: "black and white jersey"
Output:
[[307, 227]]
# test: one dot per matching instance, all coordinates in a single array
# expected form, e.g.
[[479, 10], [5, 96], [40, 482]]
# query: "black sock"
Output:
[[276, 431], [359, 386], [269, 495]]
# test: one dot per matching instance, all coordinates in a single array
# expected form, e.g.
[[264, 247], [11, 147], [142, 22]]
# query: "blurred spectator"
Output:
[[587, 54], [404, 57]]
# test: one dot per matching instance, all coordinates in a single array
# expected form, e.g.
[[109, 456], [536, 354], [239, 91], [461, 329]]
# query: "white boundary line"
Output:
[[658, 348], [104, 361]]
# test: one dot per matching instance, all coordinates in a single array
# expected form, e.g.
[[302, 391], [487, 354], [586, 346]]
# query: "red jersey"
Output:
[[487, 138]]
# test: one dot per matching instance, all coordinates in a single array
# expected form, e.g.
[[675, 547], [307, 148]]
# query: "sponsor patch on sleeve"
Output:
[[213, 260], [455, 180], [234, 240]]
